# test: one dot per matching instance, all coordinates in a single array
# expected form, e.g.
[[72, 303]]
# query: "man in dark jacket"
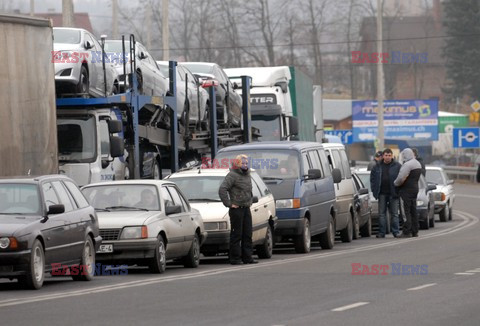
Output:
[[236, 194], [382, 177], [376, 160], [407, 181], [420, 160]]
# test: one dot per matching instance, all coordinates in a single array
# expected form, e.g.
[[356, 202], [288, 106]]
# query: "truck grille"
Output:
[[109, 234]]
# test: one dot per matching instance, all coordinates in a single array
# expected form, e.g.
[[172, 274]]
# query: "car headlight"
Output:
[[419, 202], [288, 203], [215, 226], [134, 232], [4, 243]]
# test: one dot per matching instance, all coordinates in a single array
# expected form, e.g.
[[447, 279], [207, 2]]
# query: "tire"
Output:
[[87, 269], [192, 260], [36, 269], [444, 213], [265, 250], [450, 213], [366, 230], [158, 263], [425, 225], [303, 241], [356, 226], [115, 89], [431, 222], [327, 238], [83, 86], [140, 82], [346, 234]]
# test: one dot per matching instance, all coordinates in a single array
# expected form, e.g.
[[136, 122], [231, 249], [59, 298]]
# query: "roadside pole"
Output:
[[380, 80]]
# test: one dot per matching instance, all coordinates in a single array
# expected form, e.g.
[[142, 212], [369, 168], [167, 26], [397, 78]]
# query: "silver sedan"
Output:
[[146, 222]]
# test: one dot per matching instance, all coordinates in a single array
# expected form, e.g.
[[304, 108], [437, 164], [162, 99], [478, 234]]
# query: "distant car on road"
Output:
[[146, 222], [78, 64], [201, 188], [229, 103], [45, 221], [444, 194]]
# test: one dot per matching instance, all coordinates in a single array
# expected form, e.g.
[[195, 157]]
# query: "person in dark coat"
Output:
[[382, 177], [407, 181], [378, 157], [236, 194]]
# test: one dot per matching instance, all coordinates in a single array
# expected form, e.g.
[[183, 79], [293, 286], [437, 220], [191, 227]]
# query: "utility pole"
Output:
[[380, 80], [166, 48], [115, 19], [67, 13], [32, 7]]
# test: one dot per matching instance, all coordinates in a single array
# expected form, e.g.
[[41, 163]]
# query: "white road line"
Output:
[[468, 221], [464, 273], [422, 287], [350, 306], [473, 271], [467, 196]]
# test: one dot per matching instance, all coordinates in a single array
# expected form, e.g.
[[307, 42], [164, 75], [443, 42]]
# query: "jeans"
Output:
[[409, 204], [240, 234], [392, 203]]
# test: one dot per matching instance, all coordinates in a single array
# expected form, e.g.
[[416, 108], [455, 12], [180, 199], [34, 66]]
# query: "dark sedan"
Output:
[[46, 225], [363, 209]]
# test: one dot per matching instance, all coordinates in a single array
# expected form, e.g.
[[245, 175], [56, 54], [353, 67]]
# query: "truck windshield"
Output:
[[269, 164], [76, 139], [269, 126]]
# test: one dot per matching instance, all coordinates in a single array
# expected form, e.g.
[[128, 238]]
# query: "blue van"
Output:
[[299, 176]]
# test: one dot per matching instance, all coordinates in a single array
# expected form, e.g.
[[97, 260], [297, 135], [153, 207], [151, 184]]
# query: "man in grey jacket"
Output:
[[236, 194], [407, 181]]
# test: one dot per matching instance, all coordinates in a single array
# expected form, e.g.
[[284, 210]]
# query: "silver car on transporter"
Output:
[[146, 222]]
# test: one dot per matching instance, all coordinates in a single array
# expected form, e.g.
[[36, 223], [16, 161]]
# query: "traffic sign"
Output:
[[466, 137], [345, 135], [475, 106]]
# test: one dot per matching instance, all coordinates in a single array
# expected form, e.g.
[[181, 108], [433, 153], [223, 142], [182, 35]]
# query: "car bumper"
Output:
[[217, 241], [439, 206], [290, 221], [67, 73], [129, 250], [14, 263]]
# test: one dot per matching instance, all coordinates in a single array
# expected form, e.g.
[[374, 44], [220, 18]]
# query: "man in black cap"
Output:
[[378, 157]]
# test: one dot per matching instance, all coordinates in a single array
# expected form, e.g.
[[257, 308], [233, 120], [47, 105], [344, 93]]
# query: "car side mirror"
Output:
[[88, 45], [115, 126], [314, 174], [173, 209], [56, 209], [254, 199], [450, 182], [235, 85], [293, 126], [431, 187], [117, 147], [337, 175], [363, 191], [142, 55]]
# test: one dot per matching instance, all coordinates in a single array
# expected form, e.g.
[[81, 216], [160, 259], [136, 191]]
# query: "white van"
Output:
[[346, 221]]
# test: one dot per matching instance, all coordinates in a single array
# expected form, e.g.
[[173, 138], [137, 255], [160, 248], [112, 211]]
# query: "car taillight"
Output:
[[209, 83]]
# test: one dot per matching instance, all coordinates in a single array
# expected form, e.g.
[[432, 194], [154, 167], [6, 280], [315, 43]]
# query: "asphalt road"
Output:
[[289, 289]]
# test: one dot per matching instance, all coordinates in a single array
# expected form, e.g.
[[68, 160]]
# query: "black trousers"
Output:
[[240, 234], [409, 205]]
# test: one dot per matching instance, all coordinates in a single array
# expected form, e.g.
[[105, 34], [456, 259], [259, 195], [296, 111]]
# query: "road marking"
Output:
[[422, 287], [473, 271], [464, 273], [350, 306], [468, 196], [468, 221]]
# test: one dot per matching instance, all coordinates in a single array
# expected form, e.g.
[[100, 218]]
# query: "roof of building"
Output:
[[81, 20]]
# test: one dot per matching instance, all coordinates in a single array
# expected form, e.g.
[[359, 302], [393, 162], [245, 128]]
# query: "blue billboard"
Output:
[[403, 119], [345, 135]]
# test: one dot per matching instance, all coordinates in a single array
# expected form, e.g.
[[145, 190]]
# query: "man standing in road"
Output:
[[407, 181], [378, 158], [382, 177], [236, 194]]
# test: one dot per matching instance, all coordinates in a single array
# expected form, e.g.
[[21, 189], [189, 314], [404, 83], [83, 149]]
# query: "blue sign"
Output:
[[466, 137], [403, 119], [346, 135]]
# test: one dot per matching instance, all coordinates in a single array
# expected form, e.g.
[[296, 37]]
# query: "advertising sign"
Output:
[[403, 119]]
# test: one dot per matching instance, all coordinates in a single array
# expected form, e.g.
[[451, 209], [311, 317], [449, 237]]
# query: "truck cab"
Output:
[[88, 149]]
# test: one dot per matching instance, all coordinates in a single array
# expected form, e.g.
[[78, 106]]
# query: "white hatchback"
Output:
[[201, 186]]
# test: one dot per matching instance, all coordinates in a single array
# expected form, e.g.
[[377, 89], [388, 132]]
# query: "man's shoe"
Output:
[[405, 235], [380, 235], [236, 262], [396, 235], [415, 235], [253, 261]]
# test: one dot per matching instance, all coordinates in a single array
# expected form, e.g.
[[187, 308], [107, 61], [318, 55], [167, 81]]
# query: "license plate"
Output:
[[105, 248]]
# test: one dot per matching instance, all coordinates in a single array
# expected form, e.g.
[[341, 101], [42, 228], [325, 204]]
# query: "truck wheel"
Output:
[[347, 234], [265, 250], [192, 260], [36, 268], [327, 238], [83, 86], [444, 213], [87, 262], [366, 230], [159, 261], [303, 241]]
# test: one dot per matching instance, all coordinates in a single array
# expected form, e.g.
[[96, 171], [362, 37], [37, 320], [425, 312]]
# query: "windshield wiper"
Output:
[[205, 199], [126, 207]]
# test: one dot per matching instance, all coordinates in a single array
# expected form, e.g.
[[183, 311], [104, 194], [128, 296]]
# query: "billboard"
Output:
[[403, 119]]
